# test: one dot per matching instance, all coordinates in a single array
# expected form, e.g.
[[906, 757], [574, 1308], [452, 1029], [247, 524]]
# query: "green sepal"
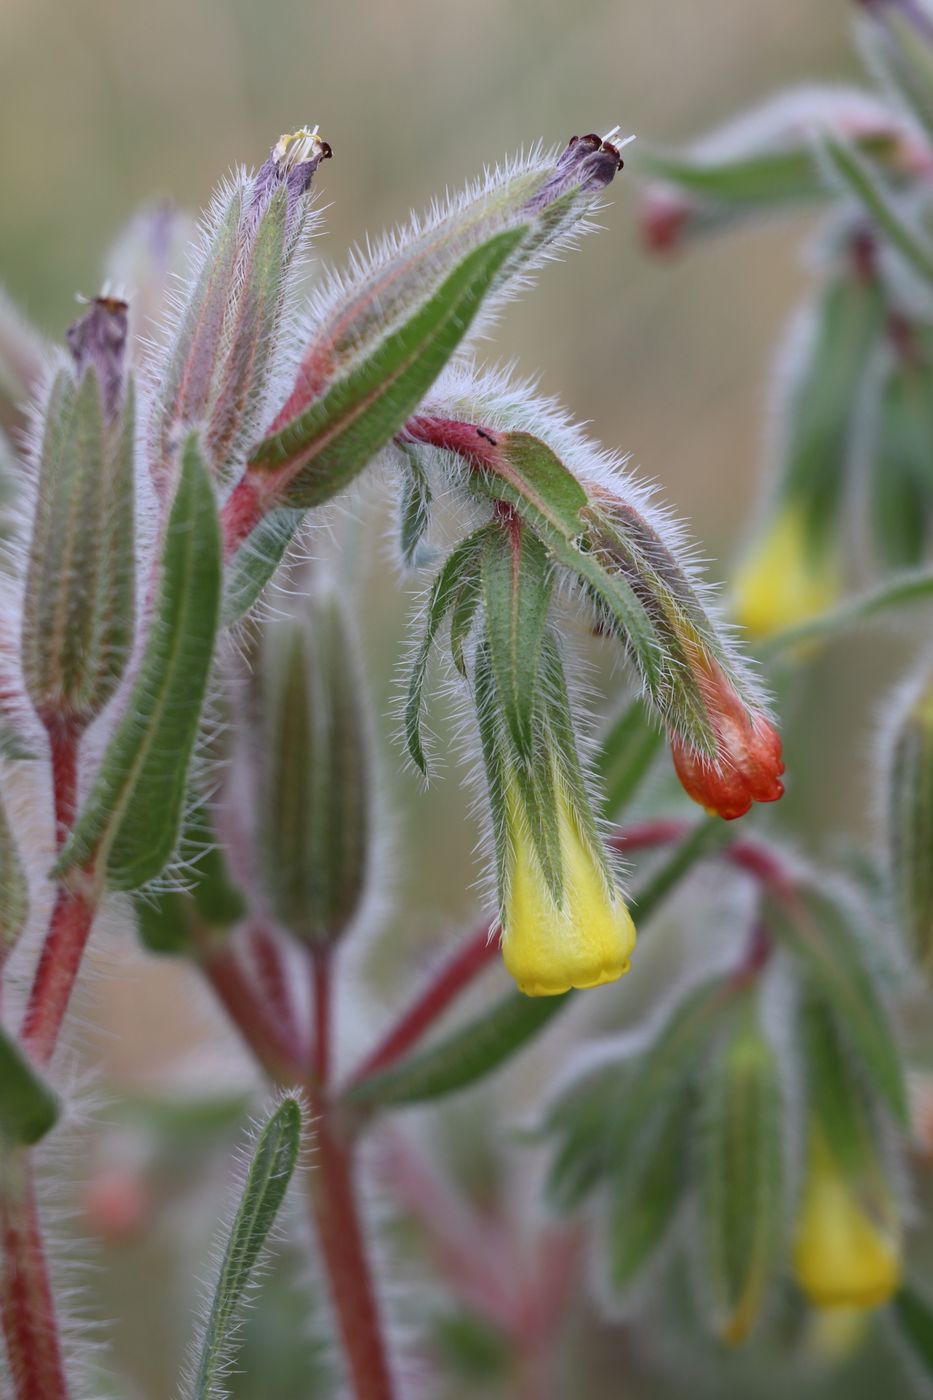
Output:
[[576, 1125], [819, 930], [740, 1176], [270, 1172], [209, 895], [333, 440], [28, 1107], [912, 1314], [835, 1087], [455, 574], [414, 508], [256, 561], [910, 829], [517, 588], [131, 820]]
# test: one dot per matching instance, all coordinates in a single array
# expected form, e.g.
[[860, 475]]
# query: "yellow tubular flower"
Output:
[[781, 583], [844, 1256], [586, 941]]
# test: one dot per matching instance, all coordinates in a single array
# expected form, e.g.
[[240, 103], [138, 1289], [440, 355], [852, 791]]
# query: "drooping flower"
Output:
[[783, 581], [584, 940], [847, 1250], [746, 766]]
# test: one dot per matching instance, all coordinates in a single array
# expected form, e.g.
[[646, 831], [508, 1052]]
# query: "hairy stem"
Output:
[[30, 1326], [337, 1218], [322, 1003], [265, 1035], [457, 973], [59, 961], [63, 759]]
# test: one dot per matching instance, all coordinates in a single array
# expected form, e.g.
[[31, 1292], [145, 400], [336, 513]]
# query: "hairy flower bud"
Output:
[[847, 1249], [14, 893], [550, 945], [746, 766], [314, 801], [217, 366], [79, 604]]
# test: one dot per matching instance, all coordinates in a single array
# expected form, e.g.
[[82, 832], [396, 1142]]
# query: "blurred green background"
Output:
[[107, 103]]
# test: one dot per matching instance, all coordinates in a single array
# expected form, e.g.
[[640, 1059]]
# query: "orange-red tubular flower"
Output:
[[747, 764]]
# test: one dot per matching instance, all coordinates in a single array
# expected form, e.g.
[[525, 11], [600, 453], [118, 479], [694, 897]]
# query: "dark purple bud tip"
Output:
[[99, 339], [587, 163]]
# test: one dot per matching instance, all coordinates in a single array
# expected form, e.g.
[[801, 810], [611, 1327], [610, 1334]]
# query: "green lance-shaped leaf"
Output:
[[459, 572], [899, 44], [314, 775], [517, 587], [910, 827], [912, 1315], [740, 1177], [820, 402], [754, 183], [28, 1107], [270, 1171], [901, 463], [131, 820], [470, 1053], [625, 755], [902, 591], [78, 605], [819, 930], [14, 889], [646, 1188], [836, 1088], [330, 443], [864, 183], [326, 446]]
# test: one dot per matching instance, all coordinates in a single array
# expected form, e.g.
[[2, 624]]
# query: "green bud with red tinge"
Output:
[[910, 824], [79, 601]]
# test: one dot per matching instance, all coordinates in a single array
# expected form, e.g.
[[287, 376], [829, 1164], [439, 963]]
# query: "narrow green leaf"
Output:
[[741, 1180], [901, 463], [132, 817], [270, 1172], [28, 1107], [835, 1088], [331, 442], [517, 586], [164, 920], [865, 185], [646, 1188], [760, 181], [819, 931], [910, 827], [444, 592], [899, 45], [898, 592], [467, 1055]]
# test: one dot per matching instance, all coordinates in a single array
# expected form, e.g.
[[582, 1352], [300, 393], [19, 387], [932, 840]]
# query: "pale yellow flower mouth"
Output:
[[584, 942]]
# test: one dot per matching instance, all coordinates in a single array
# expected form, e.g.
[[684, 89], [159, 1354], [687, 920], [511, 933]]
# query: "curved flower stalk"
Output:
[[601, 535], [847, 1249]]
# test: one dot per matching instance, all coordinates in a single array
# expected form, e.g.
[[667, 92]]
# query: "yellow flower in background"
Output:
[[781, 581], [549, 948], [846, 1254]]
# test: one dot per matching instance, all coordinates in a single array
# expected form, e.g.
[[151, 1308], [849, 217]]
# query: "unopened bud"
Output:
[[314, 776], [746, 765], [79, 605], [786, 577]]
